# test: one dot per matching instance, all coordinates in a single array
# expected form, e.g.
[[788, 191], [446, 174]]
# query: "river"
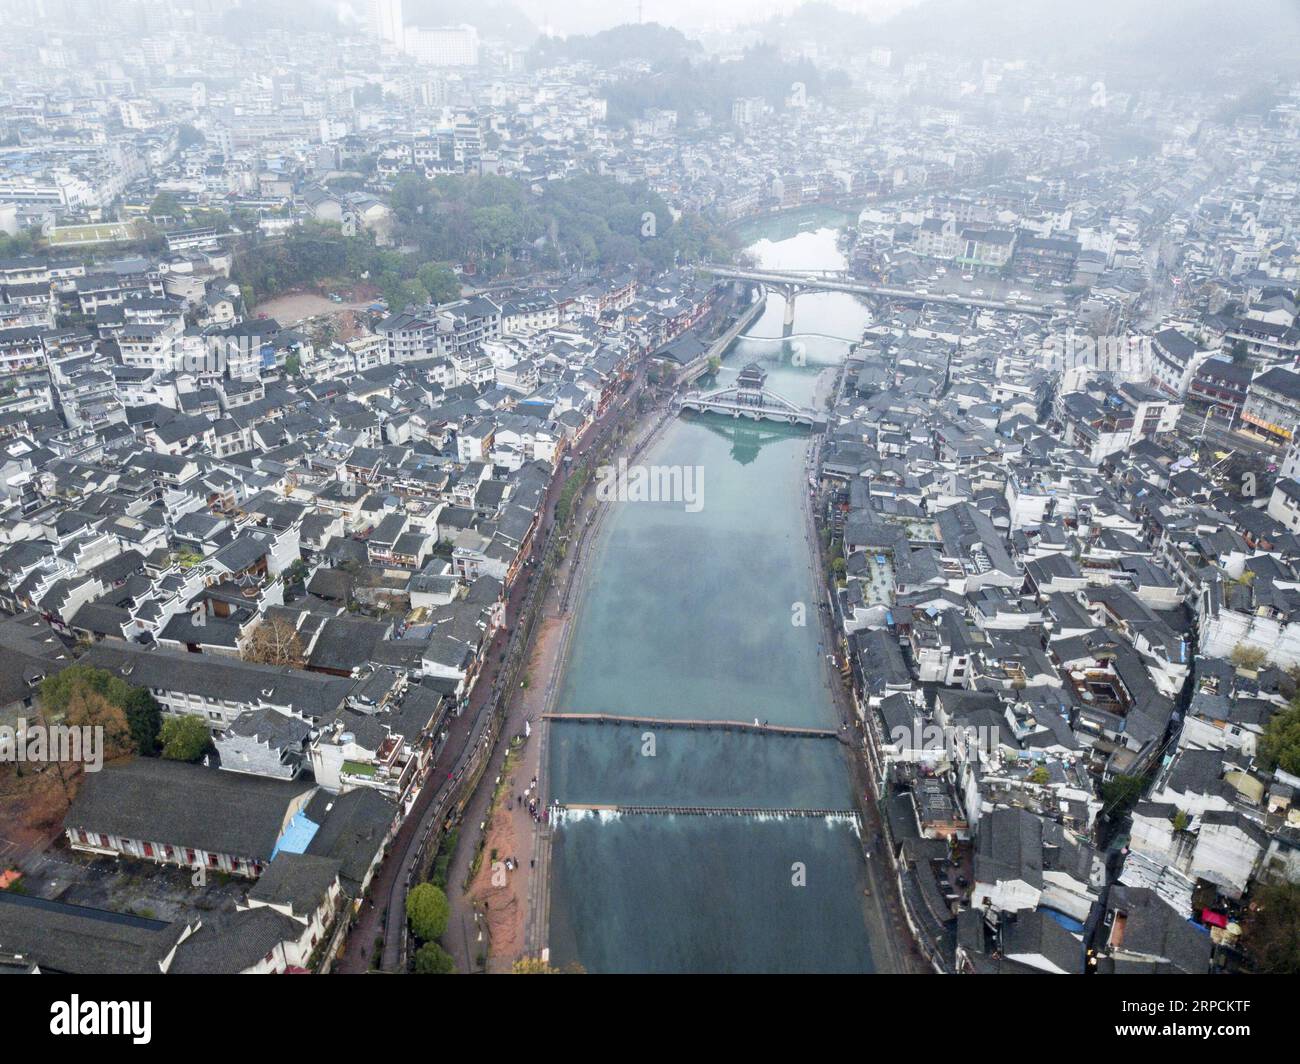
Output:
[[696, 615]]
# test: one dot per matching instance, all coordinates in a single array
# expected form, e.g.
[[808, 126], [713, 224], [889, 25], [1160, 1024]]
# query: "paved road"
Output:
[[388, 886], [384, 915], [463, 939], [1192, 425]]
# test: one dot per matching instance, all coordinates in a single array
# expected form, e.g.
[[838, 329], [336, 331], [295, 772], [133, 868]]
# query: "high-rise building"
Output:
[[443, 46], [747, 110], [386, 21]]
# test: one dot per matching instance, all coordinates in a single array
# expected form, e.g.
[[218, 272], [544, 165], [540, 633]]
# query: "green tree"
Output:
[[583, 221], [58, 691], [570, 492], [309, 254], [185, 738], [1279, 746], [1272, 928], [439, 281], [166, 205], [1120, 793], [144, 718], [428, 910], [24, 242], [399, 293], [432, 959], [142, 714]]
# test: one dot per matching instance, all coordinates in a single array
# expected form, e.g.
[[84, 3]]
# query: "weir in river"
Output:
[[712, 615]]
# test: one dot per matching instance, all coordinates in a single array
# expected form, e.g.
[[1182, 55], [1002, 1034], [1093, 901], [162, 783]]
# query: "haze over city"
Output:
[[650, 488]]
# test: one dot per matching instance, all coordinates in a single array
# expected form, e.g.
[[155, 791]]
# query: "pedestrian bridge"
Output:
[[850, 815], [755, 727]]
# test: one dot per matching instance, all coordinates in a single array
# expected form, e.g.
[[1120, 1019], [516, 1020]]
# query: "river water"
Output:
[[695, 615]]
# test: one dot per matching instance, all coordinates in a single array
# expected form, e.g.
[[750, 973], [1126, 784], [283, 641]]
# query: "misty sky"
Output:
[[587, 16]]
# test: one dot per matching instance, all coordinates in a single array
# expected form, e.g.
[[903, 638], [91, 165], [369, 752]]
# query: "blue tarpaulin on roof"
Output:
[[297, 835], [1067, 922]]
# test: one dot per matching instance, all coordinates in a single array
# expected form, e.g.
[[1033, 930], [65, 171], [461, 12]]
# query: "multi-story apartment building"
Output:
[[1273, 403]]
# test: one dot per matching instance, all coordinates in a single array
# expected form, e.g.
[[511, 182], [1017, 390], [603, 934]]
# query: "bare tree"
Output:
[[274, 642]]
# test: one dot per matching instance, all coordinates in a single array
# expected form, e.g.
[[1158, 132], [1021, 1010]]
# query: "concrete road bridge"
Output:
[[793, 283]]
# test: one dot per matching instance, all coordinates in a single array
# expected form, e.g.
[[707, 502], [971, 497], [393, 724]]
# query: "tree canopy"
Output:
[[1272, 928], [165, 204], [428, 910], [432, 959], [309, 254], [581, 222], [61, 692], [649, 42], [1279, 746], [89, 709], [710, 87], [1121, 793], [185, 738]]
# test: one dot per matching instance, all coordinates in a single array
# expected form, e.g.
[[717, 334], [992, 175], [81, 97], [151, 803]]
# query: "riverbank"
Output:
[[498, 880], [894, 948], [759, 224]]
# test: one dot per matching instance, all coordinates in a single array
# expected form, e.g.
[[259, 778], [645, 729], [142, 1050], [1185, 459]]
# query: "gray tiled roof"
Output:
[[83, 941], [170, 802], [298, 880], [230, 943]]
